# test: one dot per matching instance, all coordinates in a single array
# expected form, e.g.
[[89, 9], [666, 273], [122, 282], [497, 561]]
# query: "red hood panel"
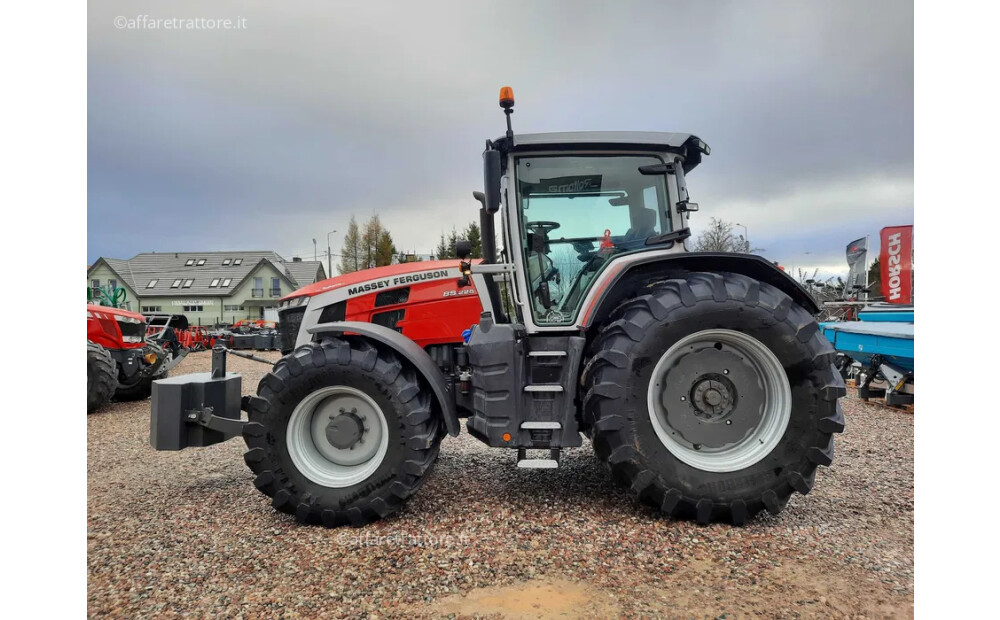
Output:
[[115, 311], [374, 274]]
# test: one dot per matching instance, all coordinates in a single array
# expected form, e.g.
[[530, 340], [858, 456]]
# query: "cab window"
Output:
[[576, 213]]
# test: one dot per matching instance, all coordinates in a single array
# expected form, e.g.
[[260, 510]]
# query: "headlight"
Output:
[[294, 302], [131, 338], [126, 319]]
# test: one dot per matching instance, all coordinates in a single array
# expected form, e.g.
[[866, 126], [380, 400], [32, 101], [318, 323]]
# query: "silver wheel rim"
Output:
[[316, 456], [748, 426]]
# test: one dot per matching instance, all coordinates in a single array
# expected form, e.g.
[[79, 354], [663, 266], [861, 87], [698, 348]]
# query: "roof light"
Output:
[[506, 97]]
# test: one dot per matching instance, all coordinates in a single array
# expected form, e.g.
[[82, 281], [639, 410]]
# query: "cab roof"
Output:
[[688, 146]]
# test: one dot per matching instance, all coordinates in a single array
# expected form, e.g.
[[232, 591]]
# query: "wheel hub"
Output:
[[719, 400], [713, 397], [345, 430], [337, 436]]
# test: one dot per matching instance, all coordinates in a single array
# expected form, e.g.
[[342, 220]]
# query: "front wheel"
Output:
[[102, 376], [713, 397], [343, 433], [139, 390]]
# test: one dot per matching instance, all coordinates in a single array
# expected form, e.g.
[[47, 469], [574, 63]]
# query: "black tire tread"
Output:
[[102, 377], [606, 372], [401, 383]]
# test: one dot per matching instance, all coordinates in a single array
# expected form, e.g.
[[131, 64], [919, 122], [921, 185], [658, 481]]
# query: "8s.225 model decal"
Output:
[[464, 291]]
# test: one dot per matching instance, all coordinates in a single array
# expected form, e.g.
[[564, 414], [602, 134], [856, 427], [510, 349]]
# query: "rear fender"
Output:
[[658, 267], [410, 351]]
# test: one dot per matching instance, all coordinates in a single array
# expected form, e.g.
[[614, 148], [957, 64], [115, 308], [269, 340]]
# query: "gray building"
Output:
[[208, 287]]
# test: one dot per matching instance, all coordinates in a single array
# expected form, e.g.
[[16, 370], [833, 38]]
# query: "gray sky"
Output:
[[270, 135]]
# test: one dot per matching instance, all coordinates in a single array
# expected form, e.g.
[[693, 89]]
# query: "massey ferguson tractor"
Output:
[[701, 379], [121, 361]]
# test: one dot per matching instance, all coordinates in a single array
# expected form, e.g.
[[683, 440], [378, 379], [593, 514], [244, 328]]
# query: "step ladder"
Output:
[[550, 463]]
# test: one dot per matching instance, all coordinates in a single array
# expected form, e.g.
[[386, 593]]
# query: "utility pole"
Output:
[[746, 236]]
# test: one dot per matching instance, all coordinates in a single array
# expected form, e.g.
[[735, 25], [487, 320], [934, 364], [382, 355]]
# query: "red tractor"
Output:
[[121, 361], [701, 379]]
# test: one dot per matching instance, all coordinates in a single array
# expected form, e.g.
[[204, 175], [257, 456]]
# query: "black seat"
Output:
[[643, 225]]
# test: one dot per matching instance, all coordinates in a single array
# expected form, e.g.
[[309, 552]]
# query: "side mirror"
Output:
[[685, 206], [655, 169], [491, 178], [463, 248], [481, 197]]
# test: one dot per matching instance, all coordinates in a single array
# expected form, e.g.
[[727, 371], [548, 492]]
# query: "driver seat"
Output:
[[643, 225]]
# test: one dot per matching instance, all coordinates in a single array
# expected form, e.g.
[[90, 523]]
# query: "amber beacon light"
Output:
[[506, 97]]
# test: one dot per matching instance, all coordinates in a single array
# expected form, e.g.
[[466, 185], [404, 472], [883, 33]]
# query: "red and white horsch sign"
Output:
[[896, 264]]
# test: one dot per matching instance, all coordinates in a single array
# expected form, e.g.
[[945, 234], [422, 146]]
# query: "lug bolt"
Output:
[[683, 398], [728, 422], [725, 372]]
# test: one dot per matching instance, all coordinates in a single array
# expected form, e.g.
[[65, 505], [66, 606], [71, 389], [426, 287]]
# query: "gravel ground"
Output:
[[186, 533]]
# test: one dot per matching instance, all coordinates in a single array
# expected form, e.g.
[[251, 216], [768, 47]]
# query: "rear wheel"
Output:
[[343, 433], [102, 377], [713, 397]]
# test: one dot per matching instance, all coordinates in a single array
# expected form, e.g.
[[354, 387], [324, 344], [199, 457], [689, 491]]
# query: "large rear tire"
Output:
[[102, 377], [713, 397], [342, 433]]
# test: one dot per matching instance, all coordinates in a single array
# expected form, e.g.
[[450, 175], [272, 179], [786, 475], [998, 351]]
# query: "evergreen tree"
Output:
[[442, 249], [384, 249], [369, 241], [350, 254], [474, 237]]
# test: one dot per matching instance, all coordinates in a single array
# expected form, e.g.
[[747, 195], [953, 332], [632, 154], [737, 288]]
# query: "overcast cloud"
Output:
[[272, 135]]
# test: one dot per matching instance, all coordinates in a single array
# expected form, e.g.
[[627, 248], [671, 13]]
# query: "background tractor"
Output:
[[701, 378], [121, 362]]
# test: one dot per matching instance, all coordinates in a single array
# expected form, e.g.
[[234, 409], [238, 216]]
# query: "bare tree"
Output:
[[719, 237]]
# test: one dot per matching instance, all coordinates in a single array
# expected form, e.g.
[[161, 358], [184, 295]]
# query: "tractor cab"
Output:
[[573, 204], [576, 211]]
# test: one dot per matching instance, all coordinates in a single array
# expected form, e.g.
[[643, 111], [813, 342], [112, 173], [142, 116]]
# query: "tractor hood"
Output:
[[377, 273], [115, 311]]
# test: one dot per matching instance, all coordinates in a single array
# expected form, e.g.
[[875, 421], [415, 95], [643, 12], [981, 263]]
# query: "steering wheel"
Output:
[[542, 226]]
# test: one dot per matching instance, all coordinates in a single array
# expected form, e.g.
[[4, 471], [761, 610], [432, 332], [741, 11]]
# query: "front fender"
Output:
[[412, 352]]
